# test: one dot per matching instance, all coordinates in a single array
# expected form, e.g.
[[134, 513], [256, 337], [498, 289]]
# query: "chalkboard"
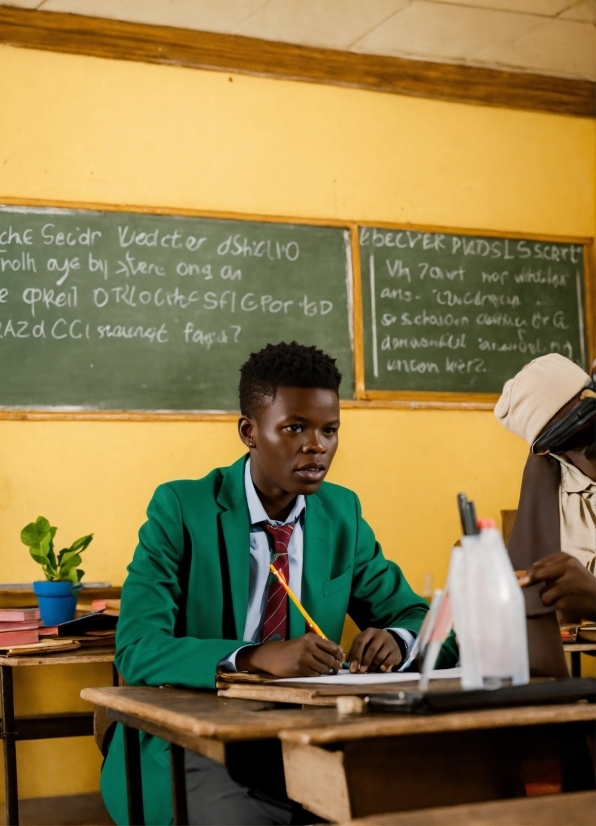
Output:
[[453, 313], [129, 311]]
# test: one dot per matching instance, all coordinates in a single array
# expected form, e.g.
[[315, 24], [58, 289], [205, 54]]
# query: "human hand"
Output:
[[570, 587], [306, 656], [374, 650]]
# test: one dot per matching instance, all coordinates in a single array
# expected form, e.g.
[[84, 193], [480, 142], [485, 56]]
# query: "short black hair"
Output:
[[284, 365]]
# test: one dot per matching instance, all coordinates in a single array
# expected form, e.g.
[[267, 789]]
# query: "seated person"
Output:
[[552, 404], [199, 596]]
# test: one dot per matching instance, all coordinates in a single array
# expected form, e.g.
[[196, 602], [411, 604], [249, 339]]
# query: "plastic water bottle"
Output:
[[488, 611]]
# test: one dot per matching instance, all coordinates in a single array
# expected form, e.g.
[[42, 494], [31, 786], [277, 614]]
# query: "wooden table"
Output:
[[576, 649], [377, 763], [578, 808], [339, 766], [42, 726], [196, 720]]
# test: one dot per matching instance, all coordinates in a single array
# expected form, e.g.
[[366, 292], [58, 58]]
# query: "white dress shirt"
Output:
[[260, 558]]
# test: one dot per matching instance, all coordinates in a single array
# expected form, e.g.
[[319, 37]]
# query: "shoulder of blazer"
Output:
[[221, 486]]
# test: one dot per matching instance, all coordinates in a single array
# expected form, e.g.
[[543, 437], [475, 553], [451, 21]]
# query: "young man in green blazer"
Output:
[[199, 596]]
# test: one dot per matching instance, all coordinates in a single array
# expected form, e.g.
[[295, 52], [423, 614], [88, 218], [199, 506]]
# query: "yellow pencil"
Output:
[[282, 581]]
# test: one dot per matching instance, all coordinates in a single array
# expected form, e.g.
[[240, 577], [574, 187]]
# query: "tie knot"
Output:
[[280, 534]]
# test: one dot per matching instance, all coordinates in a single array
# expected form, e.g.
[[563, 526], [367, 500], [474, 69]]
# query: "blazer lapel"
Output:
[[317, 560], [236, 532]]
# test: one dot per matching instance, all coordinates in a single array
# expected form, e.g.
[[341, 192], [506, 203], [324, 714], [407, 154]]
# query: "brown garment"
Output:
[[577, 512], [536, 534]]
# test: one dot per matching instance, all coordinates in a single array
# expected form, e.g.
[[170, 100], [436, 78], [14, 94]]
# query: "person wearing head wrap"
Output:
[[551, 404]]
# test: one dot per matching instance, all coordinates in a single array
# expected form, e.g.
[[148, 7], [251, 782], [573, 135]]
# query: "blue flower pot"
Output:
[[57, 601]]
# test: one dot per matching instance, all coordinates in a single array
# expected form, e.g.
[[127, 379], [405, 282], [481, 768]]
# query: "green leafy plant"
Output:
[[64, 567]]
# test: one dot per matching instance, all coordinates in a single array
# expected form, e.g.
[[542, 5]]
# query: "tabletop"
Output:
[[368, 725], [581, 647], [80, 656], [204, 715]]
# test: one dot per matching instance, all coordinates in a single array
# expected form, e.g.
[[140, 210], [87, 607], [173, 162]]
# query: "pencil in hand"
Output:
[[309, 620], [282, 581]]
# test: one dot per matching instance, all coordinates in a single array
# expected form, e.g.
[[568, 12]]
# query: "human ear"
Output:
[[246, 431]]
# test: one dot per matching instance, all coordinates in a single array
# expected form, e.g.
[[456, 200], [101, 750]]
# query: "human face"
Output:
[[292, 442]]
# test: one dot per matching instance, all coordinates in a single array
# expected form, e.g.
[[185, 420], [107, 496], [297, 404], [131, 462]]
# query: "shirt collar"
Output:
[[256, 510], [573, 480]]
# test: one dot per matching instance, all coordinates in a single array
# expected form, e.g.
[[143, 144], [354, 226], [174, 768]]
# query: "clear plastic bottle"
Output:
[[489, 612]]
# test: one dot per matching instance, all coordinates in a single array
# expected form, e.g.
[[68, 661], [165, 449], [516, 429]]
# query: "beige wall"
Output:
[[92, 131]]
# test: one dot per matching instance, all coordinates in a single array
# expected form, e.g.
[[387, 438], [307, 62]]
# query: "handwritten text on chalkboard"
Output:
[[451, 312], [176, 304]]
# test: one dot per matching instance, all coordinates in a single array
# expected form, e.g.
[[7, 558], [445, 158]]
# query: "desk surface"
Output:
[[78, 657], [548, 810], [382, 725], [581, 646], [203, 714]]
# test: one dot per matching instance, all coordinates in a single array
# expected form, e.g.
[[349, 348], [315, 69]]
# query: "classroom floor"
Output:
[[73, 810]]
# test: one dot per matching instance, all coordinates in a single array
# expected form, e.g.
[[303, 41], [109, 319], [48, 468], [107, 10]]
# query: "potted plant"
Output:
[[57, 595]]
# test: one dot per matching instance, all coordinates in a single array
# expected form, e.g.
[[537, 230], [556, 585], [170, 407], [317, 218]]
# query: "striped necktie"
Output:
[[275, 623]]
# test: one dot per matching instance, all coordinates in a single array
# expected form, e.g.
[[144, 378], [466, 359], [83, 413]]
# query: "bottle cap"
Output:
[[486, 523]]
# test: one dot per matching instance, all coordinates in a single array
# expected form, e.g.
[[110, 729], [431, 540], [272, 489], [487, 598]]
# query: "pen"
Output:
[[467, 514]]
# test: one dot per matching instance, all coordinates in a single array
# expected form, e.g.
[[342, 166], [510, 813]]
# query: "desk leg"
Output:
[[178, 785], [10, 749], [576, 664], [134, 780]]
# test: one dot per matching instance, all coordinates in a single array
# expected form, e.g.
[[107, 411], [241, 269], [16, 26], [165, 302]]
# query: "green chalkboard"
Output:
[[462, 314], [128, 311]]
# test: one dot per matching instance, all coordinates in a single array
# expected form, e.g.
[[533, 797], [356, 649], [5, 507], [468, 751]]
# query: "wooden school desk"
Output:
[[575, 650], [345, 766], [41, 726], [196, 720], [379, 763]]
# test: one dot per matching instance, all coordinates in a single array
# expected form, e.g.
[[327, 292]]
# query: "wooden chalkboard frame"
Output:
[[412, 400], [477, 401]]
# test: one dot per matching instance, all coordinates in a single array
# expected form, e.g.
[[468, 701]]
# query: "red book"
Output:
[[19, 626], [18, 614], [10, 638]]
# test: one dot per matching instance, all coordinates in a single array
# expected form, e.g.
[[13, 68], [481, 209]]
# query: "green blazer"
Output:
[[185, 600]]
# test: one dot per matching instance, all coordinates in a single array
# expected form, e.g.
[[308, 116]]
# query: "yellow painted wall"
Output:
[[89, 130]]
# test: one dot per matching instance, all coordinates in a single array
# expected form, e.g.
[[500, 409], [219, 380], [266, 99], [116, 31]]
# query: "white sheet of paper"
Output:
[[344, 677]]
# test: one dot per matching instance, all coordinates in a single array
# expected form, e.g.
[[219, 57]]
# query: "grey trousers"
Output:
[[216, 799]]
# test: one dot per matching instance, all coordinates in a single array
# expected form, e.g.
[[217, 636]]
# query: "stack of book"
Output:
[[109, 607], [91, 630], [23, 633], [586, 632], [19, 626]]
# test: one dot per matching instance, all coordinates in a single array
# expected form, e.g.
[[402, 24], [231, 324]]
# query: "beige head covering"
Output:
[[530, 399]]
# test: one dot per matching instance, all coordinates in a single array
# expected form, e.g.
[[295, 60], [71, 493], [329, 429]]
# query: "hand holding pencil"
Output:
[[307, 656], [311, 655]]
